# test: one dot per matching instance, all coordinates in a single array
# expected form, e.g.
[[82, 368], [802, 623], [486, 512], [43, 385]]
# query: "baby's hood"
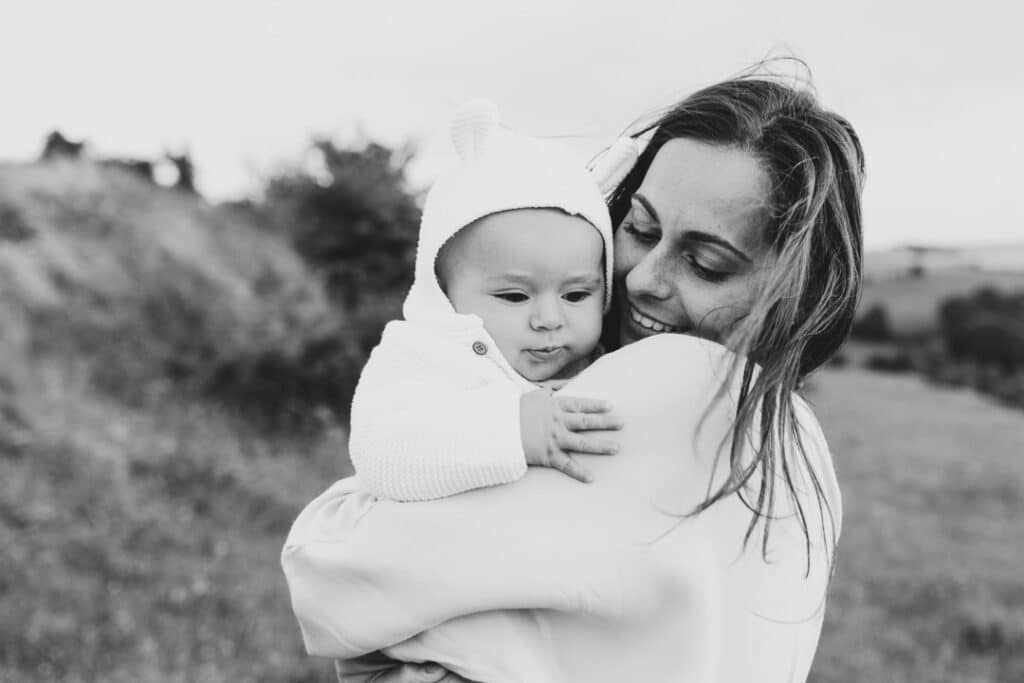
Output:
[[501, 170]]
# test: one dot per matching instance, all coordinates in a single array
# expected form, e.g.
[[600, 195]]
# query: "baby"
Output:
[[513, 275]]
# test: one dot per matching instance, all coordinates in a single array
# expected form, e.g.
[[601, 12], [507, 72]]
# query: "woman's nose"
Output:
[[546, 315], [650, 277]]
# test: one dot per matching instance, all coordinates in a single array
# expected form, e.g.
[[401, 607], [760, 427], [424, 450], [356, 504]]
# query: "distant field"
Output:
[[912, 303], [929, 585]]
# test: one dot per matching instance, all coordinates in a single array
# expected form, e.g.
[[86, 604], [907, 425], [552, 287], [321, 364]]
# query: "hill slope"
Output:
[[142, 520]]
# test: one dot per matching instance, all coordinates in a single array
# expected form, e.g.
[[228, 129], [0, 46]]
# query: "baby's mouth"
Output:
[[546, 352]]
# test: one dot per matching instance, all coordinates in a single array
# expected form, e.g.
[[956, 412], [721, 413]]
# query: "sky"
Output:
[[936, 94]]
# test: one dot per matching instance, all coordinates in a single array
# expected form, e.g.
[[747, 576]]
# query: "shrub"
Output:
[[352, 219], [872, 326], [898, 361], [987, 327]]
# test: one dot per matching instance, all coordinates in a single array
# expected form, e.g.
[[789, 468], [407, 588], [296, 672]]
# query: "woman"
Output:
[[703, 550]]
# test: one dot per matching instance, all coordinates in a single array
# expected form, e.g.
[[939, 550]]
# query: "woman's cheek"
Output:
[[626, 256]]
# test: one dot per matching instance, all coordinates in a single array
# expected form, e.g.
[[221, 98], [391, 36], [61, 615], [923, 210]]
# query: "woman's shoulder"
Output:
[[667, 363], [669, 348]]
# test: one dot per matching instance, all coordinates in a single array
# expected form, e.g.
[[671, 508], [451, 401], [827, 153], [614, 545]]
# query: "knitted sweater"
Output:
[[436, 409], [551, 581]]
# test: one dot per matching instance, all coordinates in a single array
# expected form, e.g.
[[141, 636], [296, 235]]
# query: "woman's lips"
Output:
[[649, 324]]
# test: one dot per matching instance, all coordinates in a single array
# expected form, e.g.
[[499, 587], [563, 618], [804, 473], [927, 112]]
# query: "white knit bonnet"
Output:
[[501, 170]]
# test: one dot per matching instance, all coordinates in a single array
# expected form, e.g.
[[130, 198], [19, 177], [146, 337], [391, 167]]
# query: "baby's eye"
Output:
[[578, 296], [512, 297]]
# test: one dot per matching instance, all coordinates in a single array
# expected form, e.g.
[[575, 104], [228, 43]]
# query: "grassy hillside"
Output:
[[929, 584], [142, 507]]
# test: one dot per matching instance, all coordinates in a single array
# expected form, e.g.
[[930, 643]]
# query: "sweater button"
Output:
[[479, 348]]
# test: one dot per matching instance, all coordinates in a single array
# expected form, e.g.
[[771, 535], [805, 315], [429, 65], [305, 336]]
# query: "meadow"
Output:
[[145, 493]]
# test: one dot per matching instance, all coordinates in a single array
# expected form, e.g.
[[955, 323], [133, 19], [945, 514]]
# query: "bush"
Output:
[[353, 219], [899, 361], [872, 326], [986, 327]]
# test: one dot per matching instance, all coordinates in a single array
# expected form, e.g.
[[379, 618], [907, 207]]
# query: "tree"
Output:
[[352, 218], [873, 325], [987, 327]]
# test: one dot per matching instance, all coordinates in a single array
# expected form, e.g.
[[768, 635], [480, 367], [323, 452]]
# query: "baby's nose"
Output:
[[546, 316]]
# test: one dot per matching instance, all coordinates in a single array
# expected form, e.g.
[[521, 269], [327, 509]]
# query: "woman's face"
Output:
[[691, 252]]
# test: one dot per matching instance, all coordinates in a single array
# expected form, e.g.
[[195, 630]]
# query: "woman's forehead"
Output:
[[694, 186]]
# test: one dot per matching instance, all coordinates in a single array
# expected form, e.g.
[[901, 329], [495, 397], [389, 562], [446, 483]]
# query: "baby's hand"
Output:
[[552, 430]]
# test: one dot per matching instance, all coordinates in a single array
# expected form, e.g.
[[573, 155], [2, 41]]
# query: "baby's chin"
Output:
[[541, 373]]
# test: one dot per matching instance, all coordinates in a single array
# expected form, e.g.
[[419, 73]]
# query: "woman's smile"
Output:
[[650, 323]]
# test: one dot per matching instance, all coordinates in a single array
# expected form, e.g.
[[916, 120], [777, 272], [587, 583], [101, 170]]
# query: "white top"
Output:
[[550, 580]]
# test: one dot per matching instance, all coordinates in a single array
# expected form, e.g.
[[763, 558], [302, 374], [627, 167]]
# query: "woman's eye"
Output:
[[707, 274], [578, 296], [512, 297], [642, 236]]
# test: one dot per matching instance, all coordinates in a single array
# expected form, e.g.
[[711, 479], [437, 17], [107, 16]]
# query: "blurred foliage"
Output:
[[898, 361], [351, 217], [873, 325], [268, 307], [987, 327], [979, 343]]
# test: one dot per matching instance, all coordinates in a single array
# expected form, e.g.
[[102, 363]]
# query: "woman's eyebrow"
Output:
[[694, 235]]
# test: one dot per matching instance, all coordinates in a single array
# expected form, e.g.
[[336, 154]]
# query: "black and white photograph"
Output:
[[522, 342]]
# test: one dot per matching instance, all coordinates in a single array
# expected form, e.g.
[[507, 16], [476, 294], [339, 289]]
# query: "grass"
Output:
[[928, 584], [143, 545]]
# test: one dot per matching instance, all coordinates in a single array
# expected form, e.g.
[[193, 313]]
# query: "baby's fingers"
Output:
[[570, 442], [577, 404], [567, 465], [585, 422]]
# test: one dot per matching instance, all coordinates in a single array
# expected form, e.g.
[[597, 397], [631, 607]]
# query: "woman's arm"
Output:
[[367, 574]]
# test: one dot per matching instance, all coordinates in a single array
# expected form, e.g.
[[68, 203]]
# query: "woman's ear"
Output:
[[612, 166], [473, 126]]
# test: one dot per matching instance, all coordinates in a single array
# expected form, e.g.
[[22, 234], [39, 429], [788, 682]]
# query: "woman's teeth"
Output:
[[649, 323]]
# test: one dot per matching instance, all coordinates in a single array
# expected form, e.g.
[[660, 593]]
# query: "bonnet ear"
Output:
[[473, 126], [612, 166]]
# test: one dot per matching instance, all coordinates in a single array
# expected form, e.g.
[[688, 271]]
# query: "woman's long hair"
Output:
[[815, 165]]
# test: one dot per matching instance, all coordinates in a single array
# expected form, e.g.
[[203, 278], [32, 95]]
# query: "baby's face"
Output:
[[535, 277]]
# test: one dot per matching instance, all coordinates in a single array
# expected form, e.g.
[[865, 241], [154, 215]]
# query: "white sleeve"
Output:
[[430, 421]]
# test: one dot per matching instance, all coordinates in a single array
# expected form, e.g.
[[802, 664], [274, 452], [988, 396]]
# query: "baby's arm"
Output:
[[424, 427]]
